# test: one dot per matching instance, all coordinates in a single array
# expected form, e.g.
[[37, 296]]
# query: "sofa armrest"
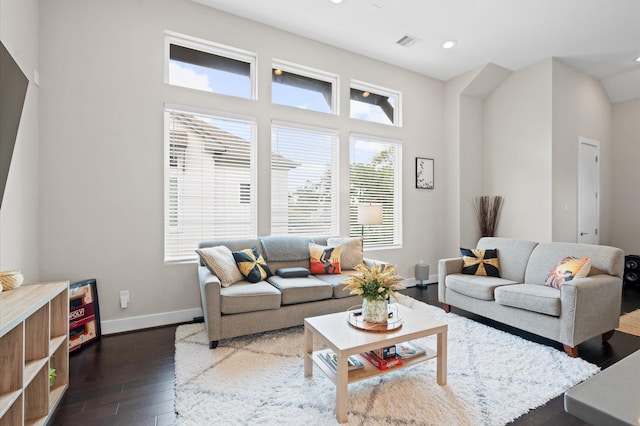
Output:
[[210, 296], [446, 267], [370, 262], [589, 306]]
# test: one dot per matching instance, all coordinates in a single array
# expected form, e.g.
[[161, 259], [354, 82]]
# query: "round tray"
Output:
[[394, 322]]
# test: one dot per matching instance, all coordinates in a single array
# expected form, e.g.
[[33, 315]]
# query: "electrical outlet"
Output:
[[124, 299]]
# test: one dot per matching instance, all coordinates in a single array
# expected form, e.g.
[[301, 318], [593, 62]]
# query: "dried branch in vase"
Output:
[[488, 211]]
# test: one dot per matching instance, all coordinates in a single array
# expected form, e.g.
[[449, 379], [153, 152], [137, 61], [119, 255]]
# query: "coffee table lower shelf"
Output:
[[369, 370]]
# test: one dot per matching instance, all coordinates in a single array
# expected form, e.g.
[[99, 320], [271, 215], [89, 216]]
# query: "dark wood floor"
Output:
[[127, 379]]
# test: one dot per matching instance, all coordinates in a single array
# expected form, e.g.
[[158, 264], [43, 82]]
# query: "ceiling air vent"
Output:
[[408, 40]]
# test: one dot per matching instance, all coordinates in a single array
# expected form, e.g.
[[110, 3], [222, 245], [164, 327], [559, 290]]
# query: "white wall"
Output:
[[518, 149], [102, 98], [19, 237], [625, 177], [580, 108]]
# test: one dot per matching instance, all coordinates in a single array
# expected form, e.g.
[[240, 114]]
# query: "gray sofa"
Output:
[[277, 302], [579, 310]]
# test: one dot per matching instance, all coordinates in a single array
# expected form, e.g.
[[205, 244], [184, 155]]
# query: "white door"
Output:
[[588, 191]]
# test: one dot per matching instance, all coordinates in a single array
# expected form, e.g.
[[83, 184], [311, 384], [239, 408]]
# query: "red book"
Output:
[[382, 364]]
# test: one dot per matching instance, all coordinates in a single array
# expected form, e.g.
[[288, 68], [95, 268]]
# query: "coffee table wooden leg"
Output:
[[308, 349], [341, 389], [442, 358]]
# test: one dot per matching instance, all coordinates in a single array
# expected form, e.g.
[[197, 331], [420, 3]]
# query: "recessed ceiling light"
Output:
[[449, 44], [336, 1], [638, 59]]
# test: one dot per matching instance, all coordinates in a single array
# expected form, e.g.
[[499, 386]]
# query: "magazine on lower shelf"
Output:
[[331, 359], [408, 349]]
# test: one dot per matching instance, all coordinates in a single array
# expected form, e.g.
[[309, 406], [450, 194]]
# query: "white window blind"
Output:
[[374, 178], [304, 192], [210, 182]]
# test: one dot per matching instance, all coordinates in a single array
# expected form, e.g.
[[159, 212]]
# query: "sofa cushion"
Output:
[[324, 259], [475, 286], [351, 253], [604, 259], [532, 297], [248, 297], [337, 281], [482, 262], [514, 255], [221, 263], [285, 248], [567, 269], [300, 290], [251, 265]]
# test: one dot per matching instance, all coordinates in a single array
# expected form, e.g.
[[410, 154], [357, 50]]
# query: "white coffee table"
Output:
[[334, 332]]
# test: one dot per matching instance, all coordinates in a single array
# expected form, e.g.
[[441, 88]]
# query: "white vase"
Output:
[[375, 311]]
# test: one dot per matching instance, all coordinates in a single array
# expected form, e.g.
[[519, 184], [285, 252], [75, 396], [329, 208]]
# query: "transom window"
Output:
[[209, 180], [305, 88], [374, 178], [202, 65], [374, 103], [304, 183]]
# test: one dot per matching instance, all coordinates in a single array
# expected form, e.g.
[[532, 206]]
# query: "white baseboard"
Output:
[[411, 282], [147, 321]]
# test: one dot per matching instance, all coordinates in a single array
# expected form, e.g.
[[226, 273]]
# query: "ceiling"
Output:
[[599, 37]]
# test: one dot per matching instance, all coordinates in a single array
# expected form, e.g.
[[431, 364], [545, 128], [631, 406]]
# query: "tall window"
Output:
[[209, 180], [304, 194], [302, 87], [198, 64], [374, 103], [374, 175]]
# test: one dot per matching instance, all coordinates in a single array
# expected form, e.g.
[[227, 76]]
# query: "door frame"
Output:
[[593, 143]]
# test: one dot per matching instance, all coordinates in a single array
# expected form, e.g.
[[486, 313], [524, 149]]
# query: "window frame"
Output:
[[335, 201], [397, 195], [380, 91], [216, 49], [168, 165], [312, 73]]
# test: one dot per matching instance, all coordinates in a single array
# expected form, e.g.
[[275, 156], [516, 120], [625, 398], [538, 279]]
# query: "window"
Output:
[[376, 104], [301, 87], [374, 177], [207, 156], [304, 194], [201, 65]]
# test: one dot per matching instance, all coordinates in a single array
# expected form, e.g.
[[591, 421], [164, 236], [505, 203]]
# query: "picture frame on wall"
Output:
[[424, 173], [84, 314]]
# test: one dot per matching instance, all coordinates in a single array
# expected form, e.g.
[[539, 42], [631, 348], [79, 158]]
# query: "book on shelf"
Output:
[[384, 353], [331, 359], [408, 349], [382, 364]]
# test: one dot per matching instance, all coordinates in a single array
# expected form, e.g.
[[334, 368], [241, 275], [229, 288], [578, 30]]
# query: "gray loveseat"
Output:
[[245, 308], [579, 310]]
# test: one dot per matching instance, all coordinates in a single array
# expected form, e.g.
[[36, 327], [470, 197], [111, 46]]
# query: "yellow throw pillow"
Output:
[[567, 269], [480, 262]]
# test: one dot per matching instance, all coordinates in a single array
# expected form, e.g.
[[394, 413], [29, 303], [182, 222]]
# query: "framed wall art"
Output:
[[84, 314], [424, 173]]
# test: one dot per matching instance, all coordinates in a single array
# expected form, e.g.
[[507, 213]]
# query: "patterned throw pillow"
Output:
[[220, 262], [567, 269], [480, 262], [252, 265], [351, 251], [324, 260]]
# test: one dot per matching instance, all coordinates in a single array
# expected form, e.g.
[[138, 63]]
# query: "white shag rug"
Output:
[[493, 378]]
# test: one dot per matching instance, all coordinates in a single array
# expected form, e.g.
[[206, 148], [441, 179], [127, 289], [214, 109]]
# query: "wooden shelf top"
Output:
[[19, 303]]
